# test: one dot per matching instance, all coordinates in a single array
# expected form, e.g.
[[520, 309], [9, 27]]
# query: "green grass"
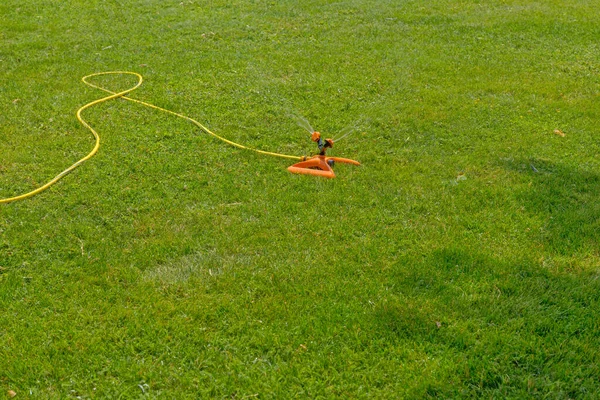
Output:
[[461, 260]]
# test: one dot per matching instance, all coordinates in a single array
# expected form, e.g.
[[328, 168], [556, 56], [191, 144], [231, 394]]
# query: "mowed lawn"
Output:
[[460, 260]]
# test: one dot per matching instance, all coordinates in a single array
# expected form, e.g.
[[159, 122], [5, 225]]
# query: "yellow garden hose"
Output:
[[122, 94]]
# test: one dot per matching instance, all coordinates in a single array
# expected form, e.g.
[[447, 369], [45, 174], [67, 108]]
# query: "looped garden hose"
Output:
[[115, 95]]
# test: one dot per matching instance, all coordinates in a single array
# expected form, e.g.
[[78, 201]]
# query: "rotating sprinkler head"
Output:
[[320, 164]]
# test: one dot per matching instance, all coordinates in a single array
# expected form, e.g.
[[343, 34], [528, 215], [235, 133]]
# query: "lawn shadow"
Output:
[[504, 327], [510, 325], [567, 200]]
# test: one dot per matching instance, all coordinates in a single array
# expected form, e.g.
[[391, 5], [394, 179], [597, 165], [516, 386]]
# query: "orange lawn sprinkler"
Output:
[[320, 164]]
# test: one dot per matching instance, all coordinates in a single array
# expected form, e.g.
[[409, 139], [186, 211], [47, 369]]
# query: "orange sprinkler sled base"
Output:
[[319, 166]]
